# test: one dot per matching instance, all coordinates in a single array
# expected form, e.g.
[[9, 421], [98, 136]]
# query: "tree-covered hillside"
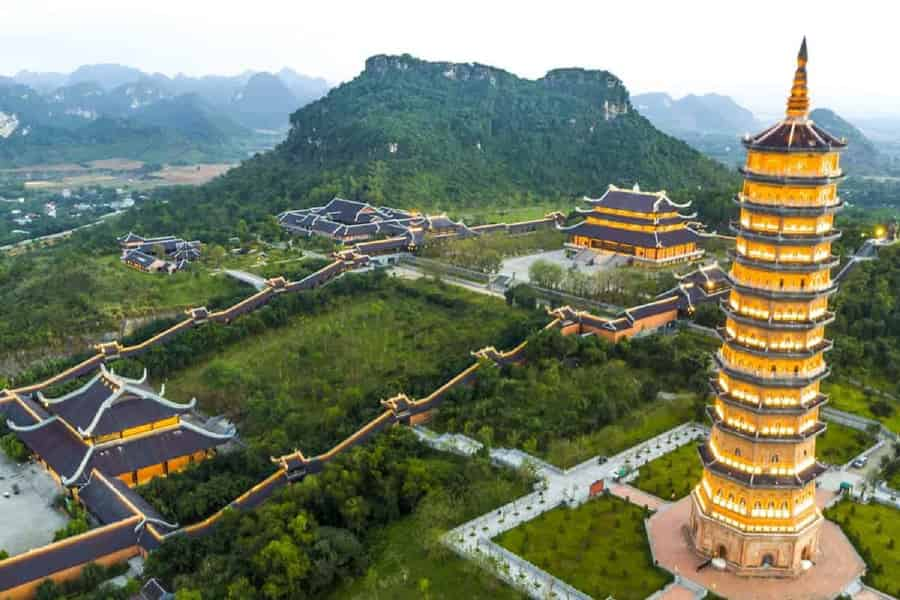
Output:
[[861, 156], [412, 133]]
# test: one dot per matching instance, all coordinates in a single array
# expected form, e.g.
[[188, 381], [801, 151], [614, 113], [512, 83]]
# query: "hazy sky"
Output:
[[743, 49]]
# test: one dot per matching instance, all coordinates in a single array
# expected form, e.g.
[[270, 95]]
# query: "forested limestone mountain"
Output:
[[464, 131], [439, 135], [264, 102]]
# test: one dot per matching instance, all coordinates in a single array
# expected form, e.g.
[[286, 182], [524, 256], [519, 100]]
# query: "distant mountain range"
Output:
[[706, 114], [99, 111], [714, 124]]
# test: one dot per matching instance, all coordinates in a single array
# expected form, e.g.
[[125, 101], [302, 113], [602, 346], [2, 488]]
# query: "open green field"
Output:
[[874, 530], [322, 376], [600, 548], [672, 476], [643, 424], [408, 551], [849, 398], [840, 444]]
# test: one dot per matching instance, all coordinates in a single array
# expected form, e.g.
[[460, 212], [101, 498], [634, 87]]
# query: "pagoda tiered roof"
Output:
[[646, 239], [67, 432], [759, 480], [72, 458], [109, 501], [110, 403], [795, 135], [634, 200], [346, 220]]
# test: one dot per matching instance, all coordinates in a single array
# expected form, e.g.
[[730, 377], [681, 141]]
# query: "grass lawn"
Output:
[[600, 548], [840, 444], [408, 551], [672, 476], [849, 398], [874, 530], [641, 425], [894, 482], [322, 376]]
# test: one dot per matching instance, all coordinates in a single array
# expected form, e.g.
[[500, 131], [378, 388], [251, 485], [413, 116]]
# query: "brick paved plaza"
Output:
[[836, 568]]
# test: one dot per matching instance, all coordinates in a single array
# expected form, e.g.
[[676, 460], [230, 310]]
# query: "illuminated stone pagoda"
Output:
[[755, 506], [644, 226]]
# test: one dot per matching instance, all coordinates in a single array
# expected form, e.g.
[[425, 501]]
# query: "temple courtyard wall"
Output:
[[27, 519]]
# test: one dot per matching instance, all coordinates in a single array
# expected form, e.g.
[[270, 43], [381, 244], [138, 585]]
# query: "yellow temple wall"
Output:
[[760, 507], [769, 367], [761, 457], [790, 225], [771, 252], [648, 228], [599, 211], [773, 397], [794, 164], [793, 196], [170, 422], [780, 310], [752, 423], [788, 282], [162, 469], [759, 337]]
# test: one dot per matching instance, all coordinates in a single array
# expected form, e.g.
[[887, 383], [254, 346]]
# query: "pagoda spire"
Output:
[[798, 103]]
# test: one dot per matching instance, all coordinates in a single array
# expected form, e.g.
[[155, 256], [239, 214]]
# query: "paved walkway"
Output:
[[676, 592], [636, 496], [555, 487], [246, 277]]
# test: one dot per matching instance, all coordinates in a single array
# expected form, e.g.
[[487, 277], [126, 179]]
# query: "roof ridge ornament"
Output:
[[798, 102]]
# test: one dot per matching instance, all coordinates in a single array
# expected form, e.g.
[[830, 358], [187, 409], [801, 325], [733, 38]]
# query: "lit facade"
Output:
[[643, 225], [755, 504]]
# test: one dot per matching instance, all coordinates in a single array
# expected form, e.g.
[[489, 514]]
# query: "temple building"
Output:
[[113, 424], [165, 254], [754, 510], [645, 226]]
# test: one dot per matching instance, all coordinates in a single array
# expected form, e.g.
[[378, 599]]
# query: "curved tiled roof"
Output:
[[795, 135], [109, 403], [635, 238], [636, 201]]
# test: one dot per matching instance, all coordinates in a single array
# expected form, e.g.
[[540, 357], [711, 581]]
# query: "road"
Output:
[[59, 234], [245, 277], [407, 272]]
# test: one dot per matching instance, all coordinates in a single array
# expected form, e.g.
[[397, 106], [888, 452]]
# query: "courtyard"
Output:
[[517, 267], [27, 519]]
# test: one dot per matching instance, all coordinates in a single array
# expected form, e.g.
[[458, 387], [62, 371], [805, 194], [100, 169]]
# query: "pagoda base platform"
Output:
[[754, 554], [835, 566]]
